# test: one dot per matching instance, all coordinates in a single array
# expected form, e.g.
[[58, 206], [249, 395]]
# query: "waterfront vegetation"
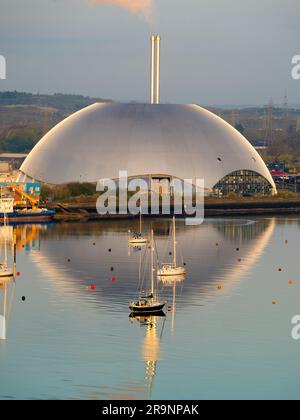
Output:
[[85, 194]]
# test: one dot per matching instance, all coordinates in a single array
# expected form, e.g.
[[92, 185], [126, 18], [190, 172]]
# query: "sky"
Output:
[[214, 52]]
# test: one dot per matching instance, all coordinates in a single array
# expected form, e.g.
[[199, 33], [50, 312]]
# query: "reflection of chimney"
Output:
[[155, 69]]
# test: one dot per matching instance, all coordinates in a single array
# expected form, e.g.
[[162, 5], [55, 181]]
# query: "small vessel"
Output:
[[5, 271], [137, 238], [33, 214], [172, 269], [148, 303]]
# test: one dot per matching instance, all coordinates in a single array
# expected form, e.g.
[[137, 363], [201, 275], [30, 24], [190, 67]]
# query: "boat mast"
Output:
[[174, 243], [4, 300], [15, 251], [140, 219], [5, 247], [152, 275], [173, 308]]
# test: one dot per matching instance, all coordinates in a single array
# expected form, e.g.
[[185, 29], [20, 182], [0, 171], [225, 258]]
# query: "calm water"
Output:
[[222, 339]]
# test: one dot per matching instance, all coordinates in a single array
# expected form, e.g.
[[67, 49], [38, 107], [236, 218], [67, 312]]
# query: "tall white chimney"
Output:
[[152, 76], [155, 69], [158, 69]]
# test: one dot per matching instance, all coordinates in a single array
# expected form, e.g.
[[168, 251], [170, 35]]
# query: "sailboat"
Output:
[[5, 271], [148, 303], [172, 269], [137, 238]]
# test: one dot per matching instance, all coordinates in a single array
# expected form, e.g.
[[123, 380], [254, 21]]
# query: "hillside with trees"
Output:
[[26, 117]]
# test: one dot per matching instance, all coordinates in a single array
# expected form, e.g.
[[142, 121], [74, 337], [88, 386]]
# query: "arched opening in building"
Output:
[[244, 183]]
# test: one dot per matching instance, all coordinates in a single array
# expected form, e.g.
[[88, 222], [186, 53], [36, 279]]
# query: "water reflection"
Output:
[[7, 275], [7, 285], [84, 331], [151, 345], [173, 282], [102, 257]]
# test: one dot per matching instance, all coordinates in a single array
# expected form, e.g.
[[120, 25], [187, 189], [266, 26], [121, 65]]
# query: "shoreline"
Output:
[[87, 211]]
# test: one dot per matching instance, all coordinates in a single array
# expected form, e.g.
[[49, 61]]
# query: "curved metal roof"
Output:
[[184, 141]]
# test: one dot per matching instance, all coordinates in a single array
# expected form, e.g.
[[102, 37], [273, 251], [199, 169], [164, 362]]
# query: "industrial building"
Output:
[[11, 161], [157, 141]]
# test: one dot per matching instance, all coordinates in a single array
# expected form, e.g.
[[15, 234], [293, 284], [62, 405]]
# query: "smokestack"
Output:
[[158, 69], [155, 69], [152, 69]]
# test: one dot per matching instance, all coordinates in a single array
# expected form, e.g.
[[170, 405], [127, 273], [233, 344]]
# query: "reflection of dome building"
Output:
[[160, 141], [93, 262]]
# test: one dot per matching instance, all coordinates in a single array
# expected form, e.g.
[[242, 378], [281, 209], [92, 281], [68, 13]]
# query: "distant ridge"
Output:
[[59, 101]]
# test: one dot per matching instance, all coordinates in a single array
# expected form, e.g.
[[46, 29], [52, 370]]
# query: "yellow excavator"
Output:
[[32, 201]]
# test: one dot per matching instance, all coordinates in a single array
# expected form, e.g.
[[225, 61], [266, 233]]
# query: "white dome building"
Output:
[[157, 141]]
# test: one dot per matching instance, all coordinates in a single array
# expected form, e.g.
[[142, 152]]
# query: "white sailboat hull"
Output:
[[168, 270], [137, 241], [6, 273]]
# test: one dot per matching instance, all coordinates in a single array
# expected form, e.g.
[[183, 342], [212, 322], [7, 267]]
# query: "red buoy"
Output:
[[92, 287], [18, 273], [113, 279]]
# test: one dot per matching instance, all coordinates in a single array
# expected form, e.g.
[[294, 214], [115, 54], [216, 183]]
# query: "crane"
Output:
[[33, 202]]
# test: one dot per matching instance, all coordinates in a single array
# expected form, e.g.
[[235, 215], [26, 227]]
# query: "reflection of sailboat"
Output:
[[172, 269], [172, 281], [4, 285], [148, 302], [5, 271], [151, 345], [137, 238]]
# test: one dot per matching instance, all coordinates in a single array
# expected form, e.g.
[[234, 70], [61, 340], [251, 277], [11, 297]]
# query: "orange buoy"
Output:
[[219, 287], [274, 302], [169, 308], [291, 282]]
